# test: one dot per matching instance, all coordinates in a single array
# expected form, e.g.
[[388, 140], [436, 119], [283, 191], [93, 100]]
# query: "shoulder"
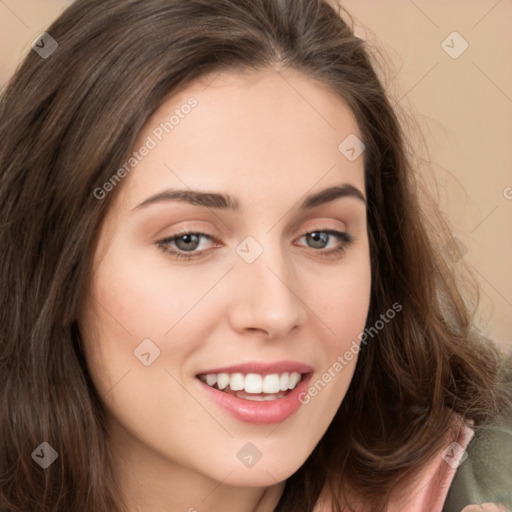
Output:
[[483, 481]]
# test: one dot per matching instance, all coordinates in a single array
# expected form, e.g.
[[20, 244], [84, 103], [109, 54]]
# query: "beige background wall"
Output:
[[462, 101]]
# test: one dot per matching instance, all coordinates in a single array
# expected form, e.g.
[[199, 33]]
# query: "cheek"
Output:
[[145, 296], [342, 303], [123, 320], [136, 298], [342, 310]]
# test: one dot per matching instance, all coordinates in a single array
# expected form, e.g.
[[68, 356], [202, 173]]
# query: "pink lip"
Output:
[[261, 368], [258, 413]]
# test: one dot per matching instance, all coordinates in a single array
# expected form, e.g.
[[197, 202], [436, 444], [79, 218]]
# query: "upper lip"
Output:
[[262, 368]]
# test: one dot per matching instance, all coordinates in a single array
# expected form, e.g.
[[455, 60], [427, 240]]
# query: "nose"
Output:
[[267, 296]]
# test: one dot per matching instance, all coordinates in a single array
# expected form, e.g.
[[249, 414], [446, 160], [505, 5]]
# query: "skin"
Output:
[[268, 138]]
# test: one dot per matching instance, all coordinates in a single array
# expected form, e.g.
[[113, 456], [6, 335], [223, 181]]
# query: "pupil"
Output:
[[319, 237], [188, 239]]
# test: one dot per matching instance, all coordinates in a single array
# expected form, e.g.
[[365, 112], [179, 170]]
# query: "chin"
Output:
[[268, 470]]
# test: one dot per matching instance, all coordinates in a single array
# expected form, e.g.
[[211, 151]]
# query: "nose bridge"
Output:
[[266, 298]]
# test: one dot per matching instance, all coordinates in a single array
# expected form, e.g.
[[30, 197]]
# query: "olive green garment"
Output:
[[486, 475]]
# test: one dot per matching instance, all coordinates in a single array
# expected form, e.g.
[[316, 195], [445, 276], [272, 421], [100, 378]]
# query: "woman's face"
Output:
[[259, 297]]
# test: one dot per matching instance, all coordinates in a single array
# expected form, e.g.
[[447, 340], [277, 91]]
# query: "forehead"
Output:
[[262, 132]]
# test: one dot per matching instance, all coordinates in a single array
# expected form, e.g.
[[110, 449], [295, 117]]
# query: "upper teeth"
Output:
[[253, 382]]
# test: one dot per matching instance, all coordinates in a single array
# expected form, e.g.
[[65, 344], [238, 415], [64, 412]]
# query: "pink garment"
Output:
[[428, 491], [430, 488]]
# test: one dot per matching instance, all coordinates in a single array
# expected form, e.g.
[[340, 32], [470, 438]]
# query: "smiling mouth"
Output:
[[253, 386]]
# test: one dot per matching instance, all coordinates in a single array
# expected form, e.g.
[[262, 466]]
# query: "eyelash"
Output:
[[344, 237]]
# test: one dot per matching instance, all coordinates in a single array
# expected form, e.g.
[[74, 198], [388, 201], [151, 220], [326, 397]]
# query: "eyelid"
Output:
[[345, 238]]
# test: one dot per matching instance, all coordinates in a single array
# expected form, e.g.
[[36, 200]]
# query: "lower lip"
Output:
[[259, 413]]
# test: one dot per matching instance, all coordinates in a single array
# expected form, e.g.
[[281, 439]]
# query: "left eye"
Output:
[[321, 238], [185, 245]]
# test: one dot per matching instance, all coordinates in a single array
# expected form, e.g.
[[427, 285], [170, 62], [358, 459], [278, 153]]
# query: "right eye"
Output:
[[183, 245]]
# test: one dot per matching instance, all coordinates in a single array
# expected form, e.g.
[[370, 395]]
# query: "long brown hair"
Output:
[[67, 124]]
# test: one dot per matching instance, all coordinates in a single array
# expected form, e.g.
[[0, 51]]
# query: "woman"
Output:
[[219, 289]]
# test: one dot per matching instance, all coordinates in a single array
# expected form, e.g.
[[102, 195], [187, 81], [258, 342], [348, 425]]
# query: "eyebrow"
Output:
[[227, 202]]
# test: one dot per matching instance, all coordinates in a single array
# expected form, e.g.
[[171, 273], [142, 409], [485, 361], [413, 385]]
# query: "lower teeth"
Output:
[[258, 397]]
